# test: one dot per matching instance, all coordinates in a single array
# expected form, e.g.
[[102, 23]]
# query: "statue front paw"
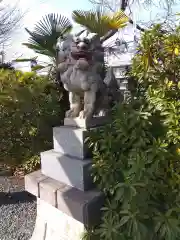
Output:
[[86, 114], [72, 113], [81, 114]]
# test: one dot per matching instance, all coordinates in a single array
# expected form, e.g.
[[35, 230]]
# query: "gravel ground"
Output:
[[17, 210]]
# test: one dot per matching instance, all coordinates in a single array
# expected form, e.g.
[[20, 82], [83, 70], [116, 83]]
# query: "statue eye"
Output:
[[77, 40]]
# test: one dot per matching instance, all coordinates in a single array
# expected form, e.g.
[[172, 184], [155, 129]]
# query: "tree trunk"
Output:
[[124, 4]]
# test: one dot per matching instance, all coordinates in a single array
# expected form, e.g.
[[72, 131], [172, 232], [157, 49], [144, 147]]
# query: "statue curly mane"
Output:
[[81, 69]]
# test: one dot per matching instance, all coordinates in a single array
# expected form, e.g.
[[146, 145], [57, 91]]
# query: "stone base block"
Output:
[[71, 141], [65, 202], [68, 170], [52, 224], [33, 182], [86, 124]]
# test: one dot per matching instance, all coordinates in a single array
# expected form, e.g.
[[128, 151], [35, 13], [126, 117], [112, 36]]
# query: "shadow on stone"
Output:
[[85, 207], [68, 170], [70, 141], [16, 197], [70, 161]]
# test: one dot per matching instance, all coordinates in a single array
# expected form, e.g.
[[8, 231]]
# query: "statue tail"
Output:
[[112, 86]]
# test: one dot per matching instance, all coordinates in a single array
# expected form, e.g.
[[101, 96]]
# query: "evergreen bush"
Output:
[[136, 159], [30, 106]]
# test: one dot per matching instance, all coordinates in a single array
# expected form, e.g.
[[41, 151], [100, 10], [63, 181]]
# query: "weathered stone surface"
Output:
[[71, 141], [48, 190], [53, 224], [82, 206], [92, 91], [32, 181], [68, 170], [85, 123], [63, 212]]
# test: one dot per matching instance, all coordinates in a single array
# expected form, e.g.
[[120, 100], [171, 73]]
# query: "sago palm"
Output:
[[43, 38], [100, 23], [46, 33]]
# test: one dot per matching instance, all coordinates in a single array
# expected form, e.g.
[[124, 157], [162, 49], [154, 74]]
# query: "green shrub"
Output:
[[29, 107], [137, 157]]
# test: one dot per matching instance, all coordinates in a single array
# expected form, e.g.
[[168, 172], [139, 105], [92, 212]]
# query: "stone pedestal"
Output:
[[53, 224], [86, 124], [70, 141], [67, 201], [69, 170]]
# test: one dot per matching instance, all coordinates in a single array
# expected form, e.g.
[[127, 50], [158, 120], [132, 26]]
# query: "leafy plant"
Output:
[[29, 107], [97, 22], [137, 157], [44, 37], [46, 33]]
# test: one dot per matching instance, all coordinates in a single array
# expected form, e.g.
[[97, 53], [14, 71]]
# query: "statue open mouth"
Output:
[[82, 54]]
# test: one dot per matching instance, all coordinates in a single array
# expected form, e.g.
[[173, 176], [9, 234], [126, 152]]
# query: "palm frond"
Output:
[[40, 50], [38, 67], [53, 24], [97, 22], [46, 33], [24, 59]]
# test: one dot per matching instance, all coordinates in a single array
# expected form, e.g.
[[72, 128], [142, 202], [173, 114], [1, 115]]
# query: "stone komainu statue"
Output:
[[82, 72]]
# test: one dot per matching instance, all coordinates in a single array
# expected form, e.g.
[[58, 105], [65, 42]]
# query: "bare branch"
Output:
[[106, 4], [128, 6], [10, 18]]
